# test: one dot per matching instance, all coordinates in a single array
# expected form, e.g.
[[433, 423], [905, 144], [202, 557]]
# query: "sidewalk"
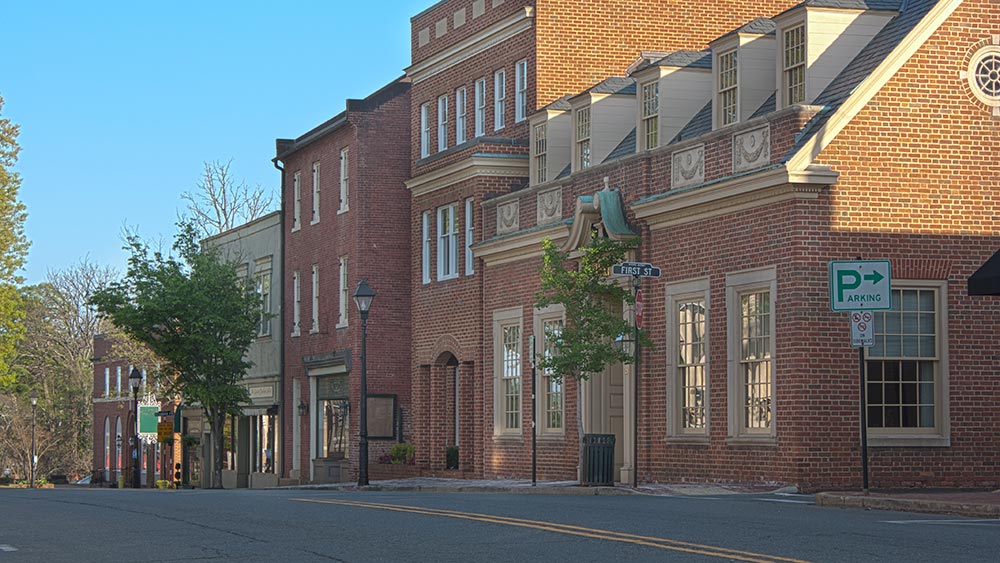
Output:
[[975, 504]]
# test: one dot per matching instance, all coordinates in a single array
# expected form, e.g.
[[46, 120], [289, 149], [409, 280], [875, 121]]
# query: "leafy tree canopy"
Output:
[[13, 247]]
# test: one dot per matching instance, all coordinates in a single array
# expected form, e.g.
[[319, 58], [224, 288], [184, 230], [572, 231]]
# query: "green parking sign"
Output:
[[860, 285]]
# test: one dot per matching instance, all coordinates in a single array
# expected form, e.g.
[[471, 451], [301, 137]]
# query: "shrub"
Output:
[[403, 454]]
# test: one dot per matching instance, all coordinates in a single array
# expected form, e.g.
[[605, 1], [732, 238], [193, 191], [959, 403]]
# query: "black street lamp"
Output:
[[135, 379], [34, 458], [363, 297]]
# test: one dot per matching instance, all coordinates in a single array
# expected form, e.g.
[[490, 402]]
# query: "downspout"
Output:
[[281, 324]]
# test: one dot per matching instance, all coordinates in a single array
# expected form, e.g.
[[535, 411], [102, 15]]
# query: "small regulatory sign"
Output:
[[640, 269], [862, 331], [164, 431]]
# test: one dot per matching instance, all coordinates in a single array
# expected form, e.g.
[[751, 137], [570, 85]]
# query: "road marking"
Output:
[[661, 543], [785, 500], [8, 548], [990, 522]]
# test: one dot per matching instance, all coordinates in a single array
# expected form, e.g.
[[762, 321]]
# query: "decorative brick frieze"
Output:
[[508, 217], [687, 167], [549, 206], [751, 149]]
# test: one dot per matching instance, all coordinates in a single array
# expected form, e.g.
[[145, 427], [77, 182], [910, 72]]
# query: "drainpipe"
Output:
[[281, 327]]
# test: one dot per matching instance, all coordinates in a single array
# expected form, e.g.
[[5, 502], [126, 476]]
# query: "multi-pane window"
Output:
[[297, 201], [447, 229], [583, 138], [469, 237], [425, 130], [650, 114], [903, 365], [343, 293], [425, 255], [315, 194], [315, 299], [541, 158], [460, 116], [442, 123], [552, 389], [691, 359], [263, 286], [510, 376], [118, 379], [296, 304], [794, 65], [520, 91], [499, 98], [755, 359], [480, 117], [107, 381], [728, 88], [344, 173]]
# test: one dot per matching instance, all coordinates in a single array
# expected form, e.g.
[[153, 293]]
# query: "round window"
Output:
[[984, 75]]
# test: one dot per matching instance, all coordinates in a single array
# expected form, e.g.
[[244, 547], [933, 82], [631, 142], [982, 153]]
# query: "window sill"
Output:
[[909, 441], [343, 210], [263, 336], [510, 438], [340, 325], [446, 278], [692, 440], [552, 436], [295, 334], [314, 222], [750, 440], [314, 331], [296, 229]]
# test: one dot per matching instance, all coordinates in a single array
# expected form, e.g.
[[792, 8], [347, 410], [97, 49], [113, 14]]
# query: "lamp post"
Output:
[[363, 297], [34, 458], [134, 379]]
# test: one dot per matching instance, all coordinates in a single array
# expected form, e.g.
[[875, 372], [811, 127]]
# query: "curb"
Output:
[[570, 491], [973, 510]]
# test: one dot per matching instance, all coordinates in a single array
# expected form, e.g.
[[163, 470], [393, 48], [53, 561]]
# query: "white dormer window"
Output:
[[583, 138], [650, 115], [541, 147], [728, 92], [794, 65]]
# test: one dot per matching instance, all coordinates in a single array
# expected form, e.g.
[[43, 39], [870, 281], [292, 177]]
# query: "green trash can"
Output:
[[598, 460]]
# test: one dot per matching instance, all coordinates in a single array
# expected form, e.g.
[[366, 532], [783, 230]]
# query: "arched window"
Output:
[[119, 443]]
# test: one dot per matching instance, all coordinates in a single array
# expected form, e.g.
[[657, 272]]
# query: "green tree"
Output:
[[13, 245], [195, 313]]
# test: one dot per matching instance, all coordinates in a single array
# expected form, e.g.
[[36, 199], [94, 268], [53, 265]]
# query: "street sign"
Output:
[[862, 333], [639, 307], [164, 413], [860, 285], [640, 269], [164, 431]]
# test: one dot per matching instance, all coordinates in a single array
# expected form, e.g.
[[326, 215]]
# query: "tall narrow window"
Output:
[[344, 295], [425, 255], [691, 360], [315, 299], [344, 175], [583, 138], [442, 131], [480, 117], [263, 283], [469, 238], [107, 447], [728, 106], [447, 228], [118, 380], [755, 359], [315, 194], [794, 64], [107, 381], [541, 158], [511, 376], [750, 298], [425, 130], [521, 91], [296, 304], [650, 115], [499, 98], [552, 390], [297, 201], [460, 116]]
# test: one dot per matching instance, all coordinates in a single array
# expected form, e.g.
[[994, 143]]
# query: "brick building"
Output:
[[345, 216]]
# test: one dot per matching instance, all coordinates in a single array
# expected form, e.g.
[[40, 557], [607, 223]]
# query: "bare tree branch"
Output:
[[220, 202]]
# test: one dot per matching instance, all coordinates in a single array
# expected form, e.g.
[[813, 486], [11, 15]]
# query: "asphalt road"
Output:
[[78, 524]]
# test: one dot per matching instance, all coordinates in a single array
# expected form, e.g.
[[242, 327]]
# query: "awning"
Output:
[[986, 280]]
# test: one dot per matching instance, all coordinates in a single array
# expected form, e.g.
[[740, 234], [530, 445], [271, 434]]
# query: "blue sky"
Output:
[[120, 103]]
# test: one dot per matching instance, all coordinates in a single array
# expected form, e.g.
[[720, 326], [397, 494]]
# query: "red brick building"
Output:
[[751, 146], [345, 215]]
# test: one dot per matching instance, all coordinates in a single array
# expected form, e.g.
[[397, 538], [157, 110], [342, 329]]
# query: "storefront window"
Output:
[[333, 417]]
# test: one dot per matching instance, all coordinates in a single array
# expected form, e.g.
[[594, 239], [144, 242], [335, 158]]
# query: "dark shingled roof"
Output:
[[565, 172], [613, 85], [624, 148], [891, 5], [561, 104], [700, 124], [767, 107], [759, 26], [688, 59]]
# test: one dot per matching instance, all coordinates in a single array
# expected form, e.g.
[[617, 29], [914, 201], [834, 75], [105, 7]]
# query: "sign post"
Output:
[[861, 286]]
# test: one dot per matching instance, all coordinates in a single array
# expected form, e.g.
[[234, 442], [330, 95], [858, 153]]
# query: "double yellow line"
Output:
[[647, 541]]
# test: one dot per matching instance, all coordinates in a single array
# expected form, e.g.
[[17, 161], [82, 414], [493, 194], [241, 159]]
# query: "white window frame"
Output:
[[793, 65], [677, 293], [727, 87], [460, 115], [296, 201], [649, 107], [343, 294], [583, 152], [425, 254], [315, 193], [442, 128], [499, 98], [737, 285], [262, 283], [425, 130], [940, 434], [507, 318], [540, 144], [520, 90], [345, 172], [107, 381], [542, 316], [480, 110], [469, 237], [118, 380], [447, 243], [296, 304], [315, 299]]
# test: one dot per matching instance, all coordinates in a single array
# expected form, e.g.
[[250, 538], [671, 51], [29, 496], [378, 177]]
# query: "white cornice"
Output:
[[520, 246], [505, 166], [871, 85], [499, 32], [746, 192]]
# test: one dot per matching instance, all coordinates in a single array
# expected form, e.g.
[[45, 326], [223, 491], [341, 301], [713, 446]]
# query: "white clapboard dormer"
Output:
[[743, 67], [603, 115], [670, 89], [550, 137]]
